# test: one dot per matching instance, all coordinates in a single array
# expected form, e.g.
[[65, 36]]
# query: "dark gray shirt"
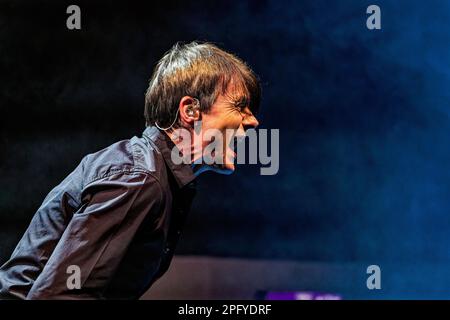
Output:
[[117, 217]]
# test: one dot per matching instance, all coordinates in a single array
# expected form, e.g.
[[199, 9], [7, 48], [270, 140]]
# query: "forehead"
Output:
[[235, 92], [232, 97]]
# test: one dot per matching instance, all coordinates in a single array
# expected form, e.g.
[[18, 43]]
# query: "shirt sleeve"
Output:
[[18, 274], [97, 236]]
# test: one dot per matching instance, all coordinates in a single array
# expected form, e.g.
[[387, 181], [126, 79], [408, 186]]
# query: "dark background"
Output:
[[363, 118]]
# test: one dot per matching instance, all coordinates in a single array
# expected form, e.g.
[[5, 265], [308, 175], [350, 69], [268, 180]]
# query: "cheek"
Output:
[[234, 122], [231, 127], [231, 120]]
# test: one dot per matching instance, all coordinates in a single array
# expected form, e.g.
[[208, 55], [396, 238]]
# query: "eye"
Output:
[[244, 110], [241, 103], [241, 109], [241, 106]]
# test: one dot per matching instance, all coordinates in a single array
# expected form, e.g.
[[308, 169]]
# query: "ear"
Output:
[[189, 110]]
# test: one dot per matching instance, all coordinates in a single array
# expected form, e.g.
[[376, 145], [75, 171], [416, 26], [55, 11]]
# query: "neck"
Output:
[[185, 143]]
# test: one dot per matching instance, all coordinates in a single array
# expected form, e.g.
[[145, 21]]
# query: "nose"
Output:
[[249, 122]]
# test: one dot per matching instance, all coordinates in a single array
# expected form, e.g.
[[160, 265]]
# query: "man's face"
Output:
[[230, 116]]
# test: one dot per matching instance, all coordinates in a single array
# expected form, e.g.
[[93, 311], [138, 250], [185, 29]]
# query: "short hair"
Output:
[[199, 70]]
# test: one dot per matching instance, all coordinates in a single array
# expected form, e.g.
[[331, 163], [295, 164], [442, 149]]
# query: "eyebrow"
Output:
[[241, 101]]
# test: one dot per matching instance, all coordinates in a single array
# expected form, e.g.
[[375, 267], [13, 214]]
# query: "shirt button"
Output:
[[167, 250]]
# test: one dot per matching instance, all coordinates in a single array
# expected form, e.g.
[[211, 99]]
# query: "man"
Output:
[[115, 220]]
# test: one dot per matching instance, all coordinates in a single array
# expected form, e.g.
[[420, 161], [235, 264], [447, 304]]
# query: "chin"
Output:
[[226, 169], [229, 169]]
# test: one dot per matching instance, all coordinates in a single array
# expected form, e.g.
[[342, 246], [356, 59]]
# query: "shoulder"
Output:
[[126, 159], [124, 186]]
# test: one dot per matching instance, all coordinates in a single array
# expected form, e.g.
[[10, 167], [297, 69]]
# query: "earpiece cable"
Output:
[[165, 129]]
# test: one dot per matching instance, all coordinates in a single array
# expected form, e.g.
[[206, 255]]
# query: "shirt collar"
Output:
[[182, 173]]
